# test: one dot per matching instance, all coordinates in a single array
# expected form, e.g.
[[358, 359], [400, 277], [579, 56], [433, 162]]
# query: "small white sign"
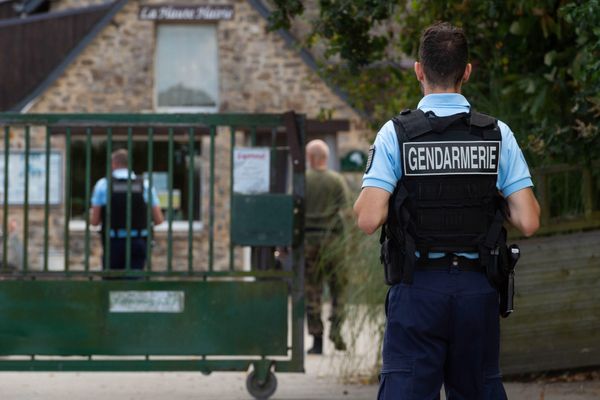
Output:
[[167, 12], [160, 180], [156, 301], [37, 177], [251, 170]]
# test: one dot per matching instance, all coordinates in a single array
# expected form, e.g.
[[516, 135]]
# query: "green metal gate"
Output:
[[200, 311]]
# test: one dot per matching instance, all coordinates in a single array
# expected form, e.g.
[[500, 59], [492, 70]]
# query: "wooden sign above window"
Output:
[[165, 12]]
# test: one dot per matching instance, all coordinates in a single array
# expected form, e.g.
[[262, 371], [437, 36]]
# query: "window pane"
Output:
[[140, 162], [187, 66]]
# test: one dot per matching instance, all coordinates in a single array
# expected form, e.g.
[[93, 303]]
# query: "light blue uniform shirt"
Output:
[[386, 168], [99, 197]]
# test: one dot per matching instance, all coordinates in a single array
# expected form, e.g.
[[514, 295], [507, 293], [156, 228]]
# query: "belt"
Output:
[[450, 260], [122, 233], [316, 230]]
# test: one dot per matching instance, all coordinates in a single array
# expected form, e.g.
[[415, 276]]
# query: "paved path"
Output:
[[227, 386], [320, 382], [166, 386]]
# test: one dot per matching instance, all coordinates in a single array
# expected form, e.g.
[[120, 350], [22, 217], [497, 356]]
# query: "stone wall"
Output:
[[36, 214], [258, 73]]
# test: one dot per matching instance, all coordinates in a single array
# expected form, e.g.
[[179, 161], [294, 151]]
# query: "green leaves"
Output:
[[536, 63], [283, 12], [347, 26]]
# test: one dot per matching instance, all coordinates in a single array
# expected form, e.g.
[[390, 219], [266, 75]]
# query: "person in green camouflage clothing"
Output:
[[327, 199]]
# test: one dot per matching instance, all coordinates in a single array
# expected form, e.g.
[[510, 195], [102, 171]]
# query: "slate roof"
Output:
[[48, 43], [37, 49]]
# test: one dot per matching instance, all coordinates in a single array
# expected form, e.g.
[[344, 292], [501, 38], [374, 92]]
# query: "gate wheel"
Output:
[[261, 390]]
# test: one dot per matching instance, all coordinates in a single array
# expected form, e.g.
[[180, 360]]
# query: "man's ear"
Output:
[[467, 74], [419, 71]]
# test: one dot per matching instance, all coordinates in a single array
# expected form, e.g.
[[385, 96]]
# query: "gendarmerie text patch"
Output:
[[451, 158]]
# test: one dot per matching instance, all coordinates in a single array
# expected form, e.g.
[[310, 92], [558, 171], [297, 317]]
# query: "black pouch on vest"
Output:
[[392, 257]]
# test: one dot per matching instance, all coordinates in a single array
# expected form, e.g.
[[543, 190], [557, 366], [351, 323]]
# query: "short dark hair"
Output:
[[443, 53], [120, 158]]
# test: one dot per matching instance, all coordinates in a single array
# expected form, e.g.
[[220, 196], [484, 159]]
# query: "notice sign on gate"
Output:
[[37, 177], [251, 170], [153, 301]]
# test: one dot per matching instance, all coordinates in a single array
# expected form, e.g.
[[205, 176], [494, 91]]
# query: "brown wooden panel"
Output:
[[7, 10], [32, 47], [556, 324]]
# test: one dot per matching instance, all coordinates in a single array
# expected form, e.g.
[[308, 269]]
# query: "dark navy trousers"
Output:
[[442, 329], [118, 253]]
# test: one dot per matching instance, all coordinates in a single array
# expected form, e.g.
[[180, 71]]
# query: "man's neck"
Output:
[[123, 172], [427, 90]]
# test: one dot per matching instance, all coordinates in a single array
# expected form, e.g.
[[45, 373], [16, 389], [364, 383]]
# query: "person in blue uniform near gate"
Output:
[[441, 180], [118, 218]]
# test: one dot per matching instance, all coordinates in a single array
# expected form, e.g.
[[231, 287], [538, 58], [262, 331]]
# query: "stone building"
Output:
[[151, 56]]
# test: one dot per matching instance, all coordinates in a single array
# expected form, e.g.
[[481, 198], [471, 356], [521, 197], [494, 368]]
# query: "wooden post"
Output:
[[543, 197], [587, 191]]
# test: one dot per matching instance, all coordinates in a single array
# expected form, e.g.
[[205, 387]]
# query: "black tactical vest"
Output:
[[118, 210], [447, 200]]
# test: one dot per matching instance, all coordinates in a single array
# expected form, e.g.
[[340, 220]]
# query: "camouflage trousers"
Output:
[[322, 268]]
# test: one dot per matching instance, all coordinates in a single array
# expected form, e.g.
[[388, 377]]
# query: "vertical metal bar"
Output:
[[5, 204], [150, 200], [128, 206], [295, 128], [543, 195], [273, 172], [211, 202], [170, 208], [88, 183], [587, 191], [47, 199], [231, 149], [67, 198], [253, 135], [26, 201], [273, 139], [108, 209], [565, 191], [191, 166]]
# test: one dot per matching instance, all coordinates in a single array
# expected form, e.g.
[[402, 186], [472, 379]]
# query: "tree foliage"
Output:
[[345, 25], [536, 62]]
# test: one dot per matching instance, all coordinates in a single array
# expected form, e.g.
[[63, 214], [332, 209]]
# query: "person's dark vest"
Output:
[[446, 200], [118, 209]]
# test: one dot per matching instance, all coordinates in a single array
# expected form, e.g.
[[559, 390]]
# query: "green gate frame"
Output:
[[224, 320]]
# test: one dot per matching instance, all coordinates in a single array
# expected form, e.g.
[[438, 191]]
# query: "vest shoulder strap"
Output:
[[488, 124], [441, 124], [410, 124], [415, 123], [482, 120]]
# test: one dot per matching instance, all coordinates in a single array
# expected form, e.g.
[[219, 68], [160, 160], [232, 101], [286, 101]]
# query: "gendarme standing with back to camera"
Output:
[[441, 180], [142, 196]]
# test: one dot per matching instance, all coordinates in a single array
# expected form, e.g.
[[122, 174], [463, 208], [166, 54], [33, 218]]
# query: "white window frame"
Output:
[[178, 109], [78, 224]]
